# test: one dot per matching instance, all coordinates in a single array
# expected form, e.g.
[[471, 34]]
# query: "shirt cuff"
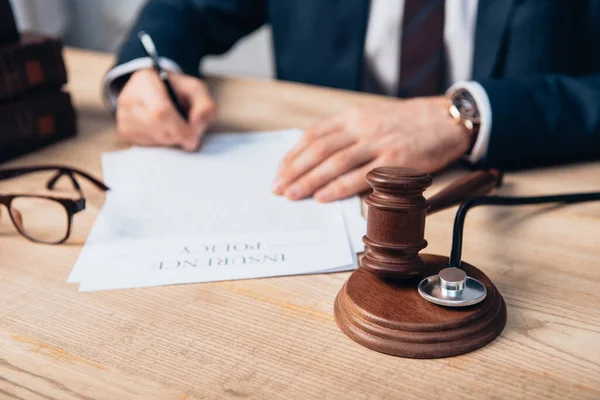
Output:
[[111, 91], [480, 147]]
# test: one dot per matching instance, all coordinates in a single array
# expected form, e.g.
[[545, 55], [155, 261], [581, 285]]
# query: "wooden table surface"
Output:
[[277, 338]]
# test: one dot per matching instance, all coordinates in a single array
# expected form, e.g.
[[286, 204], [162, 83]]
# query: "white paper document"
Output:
[[173, 217]]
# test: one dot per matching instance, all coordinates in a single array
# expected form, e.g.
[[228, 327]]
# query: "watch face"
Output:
[[466, 106]]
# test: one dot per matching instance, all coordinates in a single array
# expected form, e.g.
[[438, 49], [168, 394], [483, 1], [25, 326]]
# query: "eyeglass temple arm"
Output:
[[52, 182], [70, 172], [62, 170], [15, 172]]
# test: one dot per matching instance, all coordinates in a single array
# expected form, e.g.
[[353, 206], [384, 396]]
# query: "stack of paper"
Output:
[[174, 217]]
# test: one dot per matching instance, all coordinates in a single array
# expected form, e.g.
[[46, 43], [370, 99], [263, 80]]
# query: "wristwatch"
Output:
[[464, 110]]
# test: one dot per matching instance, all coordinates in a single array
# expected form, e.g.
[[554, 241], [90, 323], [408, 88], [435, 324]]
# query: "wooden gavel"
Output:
[[397, 211], [380, 306]]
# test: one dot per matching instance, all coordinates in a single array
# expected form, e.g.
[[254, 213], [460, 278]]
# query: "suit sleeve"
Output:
[[543, 120], [550, 118], [186, 30]]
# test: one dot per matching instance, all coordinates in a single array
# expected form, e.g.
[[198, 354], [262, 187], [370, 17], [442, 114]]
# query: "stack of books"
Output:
[[34, 110]]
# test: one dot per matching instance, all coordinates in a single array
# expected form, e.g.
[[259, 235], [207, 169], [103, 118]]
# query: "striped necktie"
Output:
[[422, 56]]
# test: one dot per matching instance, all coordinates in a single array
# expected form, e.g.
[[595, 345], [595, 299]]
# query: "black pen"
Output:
[[150, 49]]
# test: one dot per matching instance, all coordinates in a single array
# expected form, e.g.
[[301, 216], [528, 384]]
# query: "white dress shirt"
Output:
[[382, 58], [383, 52]]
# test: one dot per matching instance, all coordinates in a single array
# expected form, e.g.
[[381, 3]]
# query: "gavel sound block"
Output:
[[380, 307]]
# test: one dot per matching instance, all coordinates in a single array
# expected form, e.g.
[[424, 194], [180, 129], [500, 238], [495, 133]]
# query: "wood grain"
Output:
[[277, 338]]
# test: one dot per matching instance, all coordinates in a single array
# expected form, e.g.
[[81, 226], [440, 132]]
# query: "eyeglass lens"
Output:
[[43, 220]]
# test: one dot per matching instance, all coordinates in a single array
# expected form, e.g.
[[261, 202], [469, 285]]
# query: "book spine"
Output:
[[8, 27], [35, 122], [30, 66]]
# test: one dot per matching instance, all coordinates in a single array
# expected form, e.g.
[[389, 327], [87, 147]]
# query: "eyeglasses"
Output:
[[45, 219]]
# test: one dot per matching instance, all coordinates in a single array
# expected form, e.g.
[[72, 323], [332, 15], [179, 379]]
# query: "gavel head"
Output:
[[395, 222]]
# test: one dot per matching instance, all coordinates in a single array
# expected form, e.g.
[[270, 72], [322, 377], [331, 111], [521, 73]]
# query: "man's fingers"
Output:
[[327, 125], [312, 155], [294, 151], [194, 93], [201, 114], [133, 126], [346, 185], [202, 108], [170, 129], [145, 101], [176, 131], [336, 165], [160, 120], [164, 125], [312, 133]]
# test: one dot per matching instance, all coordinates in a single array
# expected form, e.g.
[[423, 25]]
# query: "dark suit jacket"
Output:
[[538, 60]]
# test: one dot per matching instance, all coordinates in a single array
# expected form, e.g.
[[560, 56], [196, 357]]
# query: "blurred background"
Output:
[[101, 24]]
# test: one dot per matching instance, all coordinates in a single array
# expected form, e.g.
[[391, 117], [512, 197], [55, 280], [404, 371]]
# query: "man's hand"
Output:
[[333, 157], [146, 115]]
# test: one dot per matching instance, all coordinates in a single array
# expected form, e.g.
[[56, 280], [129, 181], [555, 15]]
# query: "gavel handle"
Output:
[[473, 184]]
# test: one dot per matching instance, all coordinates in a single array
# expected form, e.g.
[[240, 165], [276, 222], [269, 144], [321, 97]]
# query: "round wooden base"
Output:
[[391, 317]]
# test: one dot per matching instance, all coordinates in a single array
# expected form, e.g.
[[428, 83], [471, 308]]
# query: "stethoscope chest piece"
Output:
[[452, 288]]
